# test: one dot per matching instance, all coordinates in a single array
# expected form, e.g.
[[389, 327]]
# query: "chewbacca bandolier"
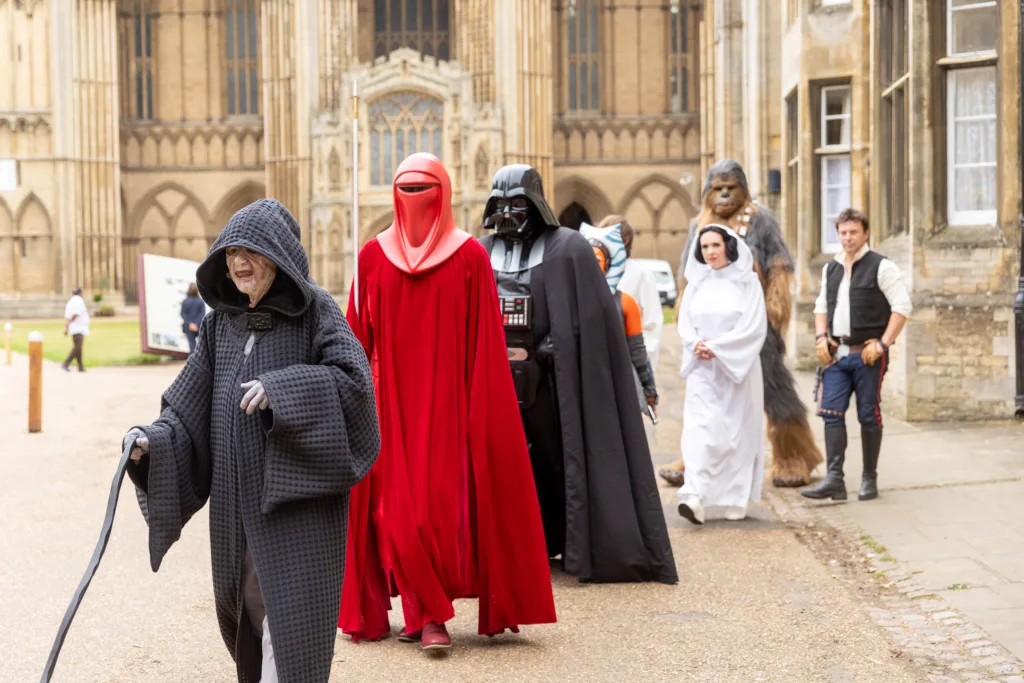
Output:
[[727, 200]]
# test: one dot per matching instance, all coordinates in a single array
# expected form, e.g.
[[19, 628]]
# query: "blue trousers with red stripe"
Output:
[[851, 375]]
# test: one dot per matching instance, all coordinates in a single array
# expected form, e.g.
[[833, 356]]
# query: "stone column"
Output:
[[87, 161], [523, 83], [290, 78], [476, 45]]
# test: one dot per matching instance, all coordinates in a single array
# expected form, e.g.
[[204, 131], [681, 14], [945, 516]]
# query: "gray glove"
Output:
[[255, 396], [141, 443]]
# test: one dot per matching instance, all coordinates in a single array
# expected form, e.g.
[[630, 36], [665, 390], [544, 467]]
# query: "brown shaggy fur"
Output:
[[794, 439], [776, 298], [794, 453]]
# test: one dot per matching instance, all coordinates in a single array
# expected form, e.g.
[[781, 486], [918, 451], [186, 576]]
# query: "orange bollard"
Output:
[[7, 344], [35, 382]]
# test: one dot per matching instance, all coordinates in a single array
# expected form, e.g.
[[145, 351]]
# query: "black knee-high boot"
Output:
[[833, 486], [871, 442]]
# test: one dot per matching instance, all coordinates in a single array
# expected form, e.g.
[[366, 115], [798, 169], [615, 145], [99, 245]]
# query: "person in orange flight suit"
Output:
[[633, 323]]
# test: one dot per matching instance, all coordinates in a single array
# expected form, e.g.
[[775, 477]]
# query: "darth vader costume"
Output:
[[577, 398]]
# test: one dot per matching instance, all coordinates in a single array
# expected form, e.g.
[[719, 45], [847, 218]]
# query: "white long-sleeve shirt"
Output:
[[890, 281], [76, 306], [639, 283]]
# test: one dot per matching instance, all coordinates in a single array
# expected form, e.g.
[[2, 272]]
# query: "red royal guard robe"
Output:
[[450, 509]]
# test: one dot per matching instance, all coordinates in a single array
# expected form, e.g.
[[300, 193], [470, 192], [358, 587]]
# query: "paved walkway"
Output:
[[759, 600], [950, 511]]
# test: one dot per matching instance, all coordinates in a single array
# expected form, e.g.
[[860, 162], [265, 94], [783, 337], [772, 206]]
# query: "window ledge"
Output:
[[987, 235], [983, 59], [834, 149]]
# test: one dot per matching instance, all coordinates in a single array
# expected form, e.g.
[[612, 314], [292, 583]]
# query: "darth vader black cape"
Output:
[[278, 480], [615, 525]]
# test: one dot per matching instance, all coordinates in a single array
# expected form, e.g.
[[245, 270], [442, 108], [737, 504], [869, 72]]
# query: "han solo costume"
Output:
[[859, 304]]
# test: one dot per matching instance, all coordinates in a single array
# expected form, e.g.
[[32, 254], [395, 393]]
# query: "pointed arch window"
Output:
[[242, 53], [679, 59], [421, 25], [143, 23], [400, 125], [582, 55]]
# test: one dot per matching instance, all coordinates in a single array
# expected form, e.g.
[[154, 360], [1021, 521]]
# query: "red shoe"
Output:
[[435, 637], [413, 637]]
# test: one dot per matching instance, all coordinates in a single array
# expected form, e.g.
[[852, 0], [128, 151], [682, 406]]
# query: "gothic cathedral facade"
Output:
[[141, 126]]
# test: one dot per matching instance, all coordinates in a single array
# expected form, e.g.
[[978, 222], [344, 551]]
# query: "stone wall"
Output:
[[962, 360]]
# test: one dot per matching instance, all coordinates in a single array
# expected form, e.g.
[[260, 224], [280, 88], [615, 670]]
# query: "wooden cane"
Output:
[[35, 382]]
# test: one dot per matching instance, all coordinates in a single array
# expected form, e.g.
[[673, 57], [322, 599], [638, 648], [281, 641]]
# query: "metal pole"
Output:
[[355, 196], [1018, 303]]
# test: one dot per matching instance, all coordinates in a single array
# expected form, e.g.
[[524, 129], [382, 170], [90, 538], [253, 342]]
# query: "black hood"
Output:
[[267, 228], [726, 167], [520, 180]]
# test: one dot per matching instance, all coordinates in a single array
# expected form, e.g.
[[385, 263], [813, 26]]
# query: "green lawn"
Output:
[[110, 342], [669, 315]]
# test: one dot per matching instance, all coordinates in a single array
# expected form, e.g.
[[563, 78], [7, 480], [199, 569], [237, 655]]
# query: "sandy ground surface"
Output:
[[753, 603]]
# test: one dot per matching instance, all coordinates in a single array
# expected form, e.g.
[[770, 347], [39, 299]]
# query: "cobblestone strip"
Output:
[[919, 623]]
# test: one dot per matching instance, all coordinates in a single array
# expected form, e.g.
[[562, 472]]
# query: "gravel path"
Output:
[[753, 603]]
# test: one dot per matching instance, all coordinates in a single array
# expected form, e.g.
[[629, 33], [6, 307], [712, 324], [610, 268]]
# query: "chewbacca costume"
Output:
[[726, 199]]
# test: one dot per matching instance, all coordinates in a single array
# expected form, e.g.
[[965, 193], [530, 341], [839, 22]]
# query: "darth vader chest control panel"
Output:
[[516, 312]]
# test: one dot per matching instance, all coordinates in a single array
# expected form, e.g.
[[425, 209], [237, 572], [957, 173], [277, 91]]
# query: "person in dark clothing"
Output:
[[577, 394], [860, 311], [271, 421], [193, 310]]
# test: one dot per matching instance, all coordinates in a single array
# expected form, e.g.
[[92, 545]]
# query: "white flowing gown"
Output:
[[723, 416]]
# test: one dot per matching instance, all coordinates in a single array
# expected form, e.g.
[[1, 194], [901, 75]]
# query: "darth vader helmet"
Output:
[[516, 208]]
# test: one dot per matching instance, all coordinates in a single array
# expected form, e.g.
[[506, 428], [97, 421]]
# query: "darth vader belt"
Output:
[[518, 354]]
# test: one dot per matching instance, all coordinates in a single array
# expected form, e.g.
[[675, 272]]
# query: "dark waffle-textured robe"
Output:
[[277, 481]]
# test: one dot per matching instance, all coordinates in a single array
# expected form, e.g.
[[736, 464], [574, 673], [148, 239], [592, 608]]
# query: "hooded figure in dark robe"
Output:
[[577, 394], [272, 421]]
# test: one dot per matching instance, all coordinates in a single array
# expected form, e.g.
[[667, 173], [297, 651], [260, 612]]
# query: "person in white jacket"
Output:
[[639, 283]]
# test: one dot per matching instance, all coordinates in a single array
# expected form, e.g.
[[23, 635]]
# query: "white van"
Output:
[[663, 278]]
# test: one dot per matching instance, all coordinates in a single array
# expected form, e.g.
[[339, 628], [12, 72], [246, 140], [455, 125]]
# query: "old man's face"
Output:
[[252, 274]]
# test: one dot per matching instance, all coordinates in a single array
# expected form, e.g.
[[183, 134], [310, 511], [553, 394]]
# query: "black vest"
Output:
[[869, 309]]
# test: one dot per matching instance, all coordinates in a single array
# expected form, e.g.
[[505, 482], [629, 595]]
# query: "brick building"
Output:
[[142, 125], [909, 110]]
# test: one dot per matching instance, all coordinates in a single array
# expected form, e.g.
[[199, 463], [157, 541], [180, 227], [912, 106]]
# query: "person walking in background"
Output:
[[193, 310], [638, 282], [76, 323]]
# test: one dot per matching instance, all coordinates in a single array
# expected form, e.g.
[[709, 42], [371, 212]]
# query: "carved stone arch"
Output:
[[34, 248], [403, 120], [378, 226], [674, 189], [6, 219], [7, 246], [578, 190], [482, 167], [240, 196], [574, 216], [334, 170], [6, 138], [32, 218], [149, 199], [660, 212]]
